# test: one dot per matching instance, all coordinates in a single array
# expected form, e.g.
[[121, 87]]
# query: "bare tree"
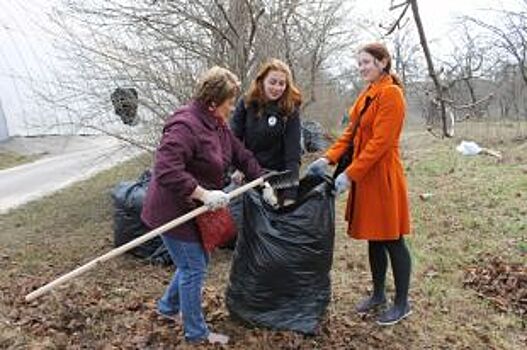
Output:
[[468, 64], [509, 89], [158, 48], [506, 31], [509, 35], [406, 55], [440, 89]]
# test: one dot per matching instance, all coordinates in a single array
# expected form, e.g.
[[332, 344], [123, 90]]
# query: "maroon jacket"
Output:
[[195, 148]]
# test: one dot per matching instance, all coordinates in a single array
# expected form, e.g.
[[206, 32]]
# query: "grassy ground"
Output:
[[476, 211], [11, 159]]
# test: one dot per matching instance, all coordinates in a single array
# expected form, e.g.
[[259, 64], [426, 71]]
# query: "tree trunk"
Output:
[[431, 71]]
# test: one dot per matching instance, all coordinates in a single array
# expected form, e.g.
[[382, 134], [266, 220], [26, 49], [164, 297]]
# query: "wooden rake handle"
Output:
[[134, 243]]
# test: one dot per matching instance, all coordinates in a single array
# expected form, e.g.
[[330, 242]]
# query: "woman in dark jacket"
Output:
[[267, 121], [195, 150]]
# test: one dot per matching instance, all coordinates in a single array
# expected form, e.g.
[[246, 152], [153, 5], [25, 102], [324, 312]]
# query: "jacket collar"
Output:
[[206, 117], [373, 88]]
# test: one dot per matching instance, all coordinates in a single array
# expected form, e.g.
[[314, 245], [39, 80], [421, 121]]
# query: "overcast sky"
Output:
[[438, 16], [24, 48]]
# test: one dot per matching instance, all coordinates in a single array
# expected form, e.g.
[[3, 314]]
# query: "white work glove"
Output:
[[342, 183], [215, 199], [269, 195], [318, 168], [237, 177], [289, 202]]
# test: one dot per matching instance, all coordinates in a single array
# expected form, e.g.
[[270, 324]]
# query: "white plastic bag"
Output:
[[468, 148]]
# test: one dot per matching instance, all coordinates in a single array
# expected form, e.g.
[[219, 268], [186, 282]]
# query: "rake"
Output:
[[277, 180]]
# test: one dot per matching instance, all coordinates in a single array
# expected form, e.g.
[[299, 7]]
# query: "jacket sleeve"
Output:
[[339, 147], [386, 128], [244, 160], [237, 122], [172, 155], [292, 150]]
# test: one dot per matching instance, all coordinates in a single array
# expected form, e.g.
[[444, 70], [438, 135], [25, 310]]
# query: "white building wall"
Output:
[[4, 133]]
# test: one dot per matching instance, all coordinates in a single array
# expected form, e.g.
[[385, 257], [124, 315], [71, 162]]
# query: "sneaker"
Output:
[[172, 317], [217, 338], [394, 315], [369, 304]]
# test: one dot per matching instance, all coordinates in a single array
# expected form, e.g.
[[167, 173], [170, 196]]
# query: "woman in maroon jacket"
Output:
[[195, 150]]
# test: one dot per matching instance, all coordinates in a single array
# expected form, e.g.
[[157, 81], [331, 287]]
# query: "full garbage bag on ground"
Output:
[[280, 274], [128, 197]]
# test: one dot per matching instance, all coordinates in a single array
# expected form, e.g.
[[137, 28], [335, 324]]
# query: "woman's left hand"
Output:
[[342, 183], [237, 177], [269, 196], [288, 201]]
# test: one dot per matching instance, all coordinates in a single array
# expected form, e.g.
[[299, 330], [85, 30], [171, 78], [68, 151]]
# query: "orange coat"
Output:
[[381, 197]]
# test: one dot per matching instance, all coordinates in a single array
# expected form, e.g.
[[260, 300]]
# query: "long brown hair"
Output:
[[380, 52], [290, 99]]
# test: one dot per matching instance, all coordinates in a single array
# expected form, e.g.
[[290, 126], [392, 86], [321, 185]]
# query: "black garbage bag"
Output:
[[128, 200], [313, 137], [280, 274]]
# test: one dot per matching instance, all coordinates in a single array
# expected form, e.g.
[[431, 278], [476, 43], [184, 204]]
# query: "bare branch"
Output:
[[398, 20], [395, 7], [227, 19]]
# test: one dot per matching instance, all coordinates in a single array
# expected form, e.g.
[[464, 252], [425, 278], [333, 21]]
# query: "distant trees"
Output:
[[465, 70], [159, 46], [505, 32], [487, 65]]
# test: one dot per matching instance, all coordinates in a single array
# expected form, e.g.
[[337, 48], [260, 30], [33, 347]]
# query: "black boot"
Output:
[[370, 304], [394, 314], [401, 266], [378, 265]]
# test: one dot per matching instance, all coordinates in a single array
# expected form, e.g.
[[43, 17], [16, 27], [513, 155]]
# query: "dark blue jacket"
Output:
[[273, 137]]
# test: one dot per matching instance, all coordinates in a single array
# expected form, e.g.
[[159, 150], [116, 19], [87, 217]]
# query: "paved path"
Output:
[[81, 159]]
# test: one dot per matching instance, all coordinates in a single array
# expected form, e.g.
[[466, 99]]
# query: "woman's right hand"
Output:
[[213, 199], [318, 168]]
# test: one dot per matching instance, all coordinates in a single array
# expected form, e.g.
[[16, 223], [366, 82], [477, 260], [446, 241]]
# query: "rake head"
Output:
[[280, 179]]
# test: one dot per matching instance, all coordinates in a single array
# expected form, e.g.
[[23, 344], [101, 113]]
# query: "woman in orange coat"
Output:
[[377, 207]]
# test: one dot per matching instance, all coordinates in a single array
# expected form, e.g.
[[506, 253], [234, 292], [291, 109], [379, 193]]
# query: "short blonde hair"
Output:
[[216, 85]]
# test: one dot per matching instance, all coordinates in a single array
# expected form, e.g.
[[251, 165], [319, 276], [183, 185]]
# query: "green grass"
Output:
[[477, 210]]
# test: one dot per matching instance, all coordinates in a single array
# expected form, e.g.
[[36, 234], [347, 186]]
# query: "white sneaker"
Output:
[[217, 338]]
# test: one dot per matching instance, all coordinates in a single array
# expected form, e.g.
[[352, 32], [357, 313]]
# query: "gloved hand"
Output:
[[342, 183], [268, 195], [288, 201], [318, 167], [215, 199], [237, 177]]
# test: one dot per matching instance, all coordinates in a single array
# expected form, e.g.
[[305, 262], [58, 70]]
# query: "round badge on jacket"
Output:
[[272, 120]]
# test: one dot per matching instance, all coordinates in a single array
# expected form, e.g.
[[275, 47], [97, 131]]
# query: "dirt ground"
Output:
[[474, 211]]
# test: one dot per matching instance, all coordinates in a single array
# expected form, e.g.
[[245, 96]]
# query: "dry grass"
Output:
[[477, 209], [11, 159]]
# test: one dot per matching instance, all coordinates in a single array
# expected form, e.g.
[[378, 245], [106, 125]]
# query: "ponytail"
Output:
[[396, 80]]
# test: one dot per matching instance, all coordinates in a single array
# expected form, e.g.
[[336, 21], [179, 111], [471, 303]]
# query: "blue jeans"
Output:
[[184, 291]]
